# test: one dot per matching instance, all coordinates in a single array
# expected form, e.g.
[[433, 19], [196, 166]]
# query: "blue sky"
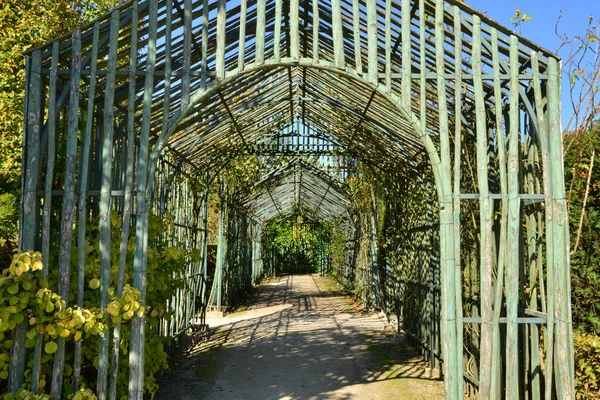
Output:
[[544, 14], [541, 28]]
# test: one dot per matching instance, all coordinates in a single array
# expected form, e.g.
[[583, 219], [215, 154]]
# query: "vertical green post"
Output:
[[221, 30], [277, 38], [216, 292], [373, 56], [496, 378], [187, 53], [204, 74], [375, 298], [514, 222], [242, 37], [29, 231], [486, 210], [136, 353], [315, 43], [338, 34], [548, 305], [294, 30], [458, 110], [406, 83], [357, 42], [68, 209], [106, 199], [260, 32], [563, 343], [129, 174], [82, 199], [51, 156], [449, 295]]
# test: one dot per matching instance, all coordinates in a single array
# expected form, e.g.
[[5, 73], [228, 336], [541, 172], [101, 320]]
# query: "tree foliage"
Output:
[[581, 70], [297, 243], [582, 176], [26, 24], [581, 75]]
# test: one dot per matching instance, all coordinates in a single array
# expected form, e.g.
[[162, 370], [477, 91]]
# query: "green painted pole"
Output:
[[82, 199], [35, 104], [449, 295], [68, 211], [136, 353], [260, 32], [486, 211], [458, 129], [51, 156], [496, 371], [514, 224], [563, 344], [106, 199], [129, 175], [375, 297]]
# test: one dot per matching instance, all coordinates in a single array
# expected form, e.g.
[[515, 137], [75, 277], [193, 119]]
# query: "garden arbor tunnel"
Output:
[[428, 134]]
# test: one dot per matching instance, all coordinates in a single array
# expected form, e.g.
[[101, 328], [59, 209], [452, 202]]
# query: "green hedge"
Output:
[[587, 366]]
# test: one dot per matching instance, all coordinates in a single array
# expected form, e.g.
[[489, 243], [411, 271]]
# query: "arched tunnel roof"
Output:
[[347, 109], [297, 187]]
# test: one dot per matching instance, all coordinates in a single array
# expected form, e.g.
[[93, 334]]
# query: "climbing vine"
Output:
[[27, 295]]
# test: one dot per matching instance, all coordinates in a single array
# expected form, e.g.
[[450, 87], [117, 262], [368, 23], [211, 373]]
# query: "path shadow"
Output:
[[316, 349]]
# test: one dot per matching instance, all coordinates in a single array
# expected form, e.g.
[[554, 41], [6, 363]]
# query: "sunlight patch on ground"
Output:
[[246, 315]]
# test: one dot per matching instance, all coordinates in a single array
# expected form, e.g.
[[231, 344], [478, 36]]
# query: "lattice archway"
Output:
[[439, 76]]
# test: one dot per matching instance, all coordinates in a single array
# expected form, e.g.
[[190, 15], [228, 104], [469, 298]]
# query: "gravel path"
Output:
[[300, 339]]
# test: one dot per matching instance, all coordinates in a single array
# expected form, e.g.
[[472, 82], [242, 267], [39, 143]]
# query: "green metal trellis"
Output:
[[410, 88]]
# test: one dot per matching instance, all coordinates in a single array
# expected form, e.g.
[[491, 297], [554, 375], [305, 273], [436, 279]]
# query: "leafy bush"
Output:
[[587, 366], [9, 218], [582, 165], [25, 295], [22, 394]]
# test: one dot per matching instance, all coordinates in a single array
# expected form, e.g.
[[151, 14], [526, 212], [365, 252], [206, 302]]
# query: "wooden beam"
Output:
[[372, 46], [136, 352], [187, 53], [106, 201], [338, 35], [221, 30], [514, 223], [260, 32], [486, 211], [294, 30]]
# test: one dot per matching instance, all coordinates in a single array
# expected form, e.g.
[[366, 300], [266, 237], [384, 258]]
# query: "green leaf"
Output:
[[13, 289], [51, 347]]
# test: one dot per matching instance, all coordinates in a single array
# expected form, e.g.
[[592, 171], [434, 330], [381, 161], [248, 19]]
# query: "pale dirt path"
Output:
[[299, 339]]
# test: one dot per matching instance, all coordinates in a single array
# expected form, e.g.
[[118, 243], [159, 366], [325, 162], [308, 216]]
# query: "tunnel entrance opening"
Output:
[[297, 245]]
